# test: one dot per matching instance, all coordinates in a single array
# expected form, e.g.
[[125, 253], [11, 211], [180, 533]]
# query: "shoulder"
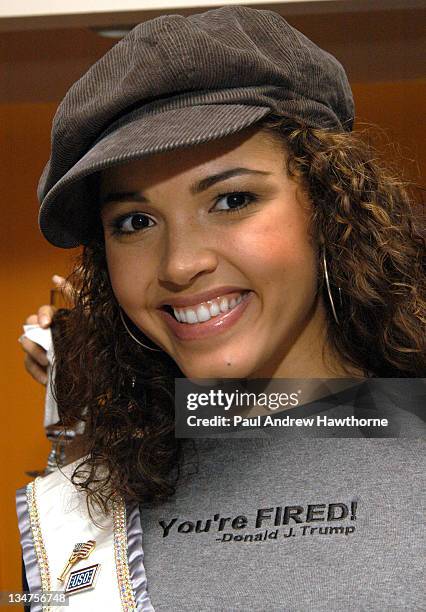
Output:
[[53, 500], [54, 490]]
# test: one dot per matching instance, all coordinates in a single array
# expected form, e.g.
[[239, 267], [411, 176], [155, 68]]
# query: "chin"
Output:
[[224, 368]]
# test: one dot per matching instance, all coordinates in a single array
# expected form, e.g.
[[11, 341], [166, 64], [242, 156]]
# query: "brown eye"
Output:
[[234, 201], [133, 223], [139, 221]]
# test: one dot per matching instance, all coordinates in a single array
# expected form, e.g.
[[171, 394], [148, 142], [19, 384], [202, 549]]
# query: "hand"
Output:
[[35, 359]]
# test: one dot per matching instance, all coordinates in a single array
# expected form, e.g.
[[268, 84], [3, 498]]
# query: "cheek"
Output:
[[129, 278], [278, 249]]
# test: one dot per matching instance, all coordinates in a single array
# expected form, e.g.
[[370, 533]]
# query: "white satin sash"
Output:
[[53, 518]]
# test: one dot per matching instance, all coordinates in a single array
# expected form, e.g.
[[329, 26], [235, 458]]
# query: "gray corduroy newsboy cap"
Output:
[[178, 81]]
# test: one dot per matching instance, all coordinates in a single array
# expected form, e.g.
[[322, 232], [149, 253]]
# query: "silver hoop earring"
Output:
[[327, 281], [149, 348]]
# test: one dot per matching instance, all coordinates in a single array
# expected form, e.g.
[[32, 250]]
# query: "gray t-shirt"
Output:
[[290, 523]]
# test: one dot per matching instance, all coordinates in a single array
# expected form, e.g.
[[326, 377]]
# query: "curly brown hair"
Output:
[[375, 249]]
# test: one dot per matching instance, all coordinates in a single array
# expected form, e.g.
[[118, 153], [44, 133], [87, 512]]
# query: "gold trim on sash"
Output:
[[128, 602], [43, 562]]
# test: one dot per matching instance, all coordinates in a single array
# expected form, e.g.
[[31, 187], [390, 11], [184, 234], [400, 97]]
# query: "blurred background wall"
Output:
[[382, 52]]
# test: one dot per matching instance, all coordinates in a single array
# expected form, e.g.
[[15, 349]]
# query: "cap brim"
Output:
[[65, 214]]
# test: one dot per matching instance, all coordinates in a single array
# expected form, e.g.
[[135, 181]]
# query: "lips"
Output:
[[212, 324]]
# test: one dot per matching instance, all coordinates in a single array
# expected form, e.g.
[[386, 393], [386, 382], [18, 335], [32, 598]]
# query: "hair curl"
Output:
[[375, 250]]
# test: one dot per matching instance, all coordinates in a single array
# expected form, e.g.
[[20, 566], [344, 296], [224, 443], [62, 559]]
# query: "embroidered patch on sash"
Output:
[[82, 579]]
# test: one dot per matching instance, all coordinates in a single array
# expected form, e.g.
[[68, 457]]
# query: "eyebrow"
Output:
[[196, 188]]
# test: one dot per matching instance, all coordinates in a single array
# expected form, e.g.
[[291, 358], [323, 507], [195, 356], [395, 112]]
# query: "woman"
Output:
[[233, 227]]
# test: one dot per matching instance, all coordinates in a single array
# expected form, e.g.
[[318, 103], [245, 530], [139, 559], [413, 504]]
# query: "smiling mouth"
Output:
[[201, 313]]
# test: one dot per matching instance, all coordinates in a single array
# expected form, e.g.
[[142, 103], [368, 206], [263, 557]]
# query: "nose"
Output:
[[188, 253]]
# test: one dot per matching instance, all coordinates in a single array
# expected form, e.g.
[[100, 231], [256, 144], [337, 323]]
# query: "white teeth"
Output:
[[205, 312], [214, 309], [224, 306], [191, 317]]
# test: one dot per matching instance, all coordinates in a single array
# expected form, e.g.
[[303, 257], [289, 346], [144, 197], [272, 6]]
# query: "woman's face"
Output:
[[219, 233]]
